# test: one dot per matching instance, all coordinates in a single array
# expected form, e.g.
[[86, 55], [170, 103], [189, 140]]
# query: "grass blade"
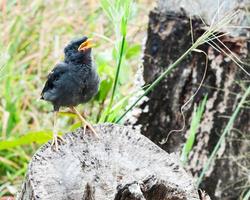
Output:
[[193, 130], [39, 137], [247, 196], [222, 137], [157, 81], [116, 75]]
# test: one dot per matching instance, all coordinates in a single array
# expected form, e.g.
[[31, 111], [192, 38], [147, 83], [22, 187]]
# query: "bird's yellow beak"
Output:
[[86, 45]]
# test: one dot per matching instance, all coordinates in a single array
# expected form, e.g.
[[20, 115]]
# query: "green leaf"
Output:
[[133, 51], [193, 130], [223, 135], [39, 137], [124, 26], [247, 196], [105, 87], [75, 126]]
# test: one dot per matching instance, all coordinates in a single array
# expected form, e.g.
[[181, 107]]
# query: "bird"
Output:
[[72, 82]]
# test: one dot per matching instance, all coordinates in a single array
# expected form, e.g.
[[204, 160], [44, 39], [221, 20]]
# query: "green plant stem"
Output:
[[195, 123], [116, 76], [222, 137], [201, 40], [151, 87], [247, 196]]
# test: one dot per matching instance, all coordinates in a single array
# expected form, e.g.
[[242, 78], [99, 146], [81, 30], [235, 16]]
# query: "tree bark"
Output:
[[121, 165], [169, 36]]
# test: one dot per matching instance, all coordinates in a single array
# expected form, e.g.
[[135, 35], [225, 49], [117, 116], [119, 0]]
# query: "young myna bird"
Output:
[[72, 82]]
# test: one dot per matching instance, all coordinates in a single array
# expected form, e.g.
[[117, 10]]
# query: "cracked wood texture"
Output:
[[169, 36], [121, 165]]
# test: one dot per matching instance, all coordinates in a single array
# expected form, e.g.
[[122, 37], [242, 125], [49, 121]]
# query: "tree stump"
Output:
[[121, 165], [169, 36]]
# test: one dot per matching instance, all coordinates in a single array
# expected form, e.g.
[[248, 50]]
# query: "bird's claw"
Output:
[[84, 129], [57, 140], [85, 123], [88, 125]]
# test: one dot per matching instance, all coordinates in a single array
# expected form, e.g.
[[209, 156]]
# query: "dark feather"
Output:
[[73, 81]]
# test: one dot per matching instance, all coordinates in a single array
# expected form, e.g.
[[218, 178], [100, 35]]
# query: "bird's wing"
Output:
[[53, 76]]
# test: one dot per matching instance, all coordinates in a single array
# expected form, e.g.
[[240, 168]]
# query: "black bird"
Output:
[[72, 82]]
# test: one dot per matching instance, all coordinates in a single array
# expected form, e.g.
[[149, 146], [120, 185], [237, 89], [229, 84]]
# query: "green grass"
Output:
[[223, 135], [33, 36], [195, 122], [118, 12], [31, 43], [247, 196], [208, 35]]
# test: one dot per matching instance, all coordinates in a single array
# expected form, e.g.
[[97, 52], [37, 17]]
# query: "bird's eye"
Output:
[[56, 78]]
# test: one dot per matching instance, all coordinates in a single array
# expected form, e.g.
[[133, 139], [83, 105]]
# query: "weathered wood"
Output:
[[169, 36], [122, 164], [151, 188]]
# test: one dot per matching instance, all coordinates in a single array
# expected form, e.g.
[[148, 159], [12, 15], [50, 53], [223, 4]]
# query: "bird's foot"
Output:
[[84, 129], [57, 140], [88, 125], [84, 122]]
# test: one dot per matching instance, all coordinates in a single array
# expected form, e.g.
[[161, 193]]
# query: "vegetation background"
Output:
[[33, 36]]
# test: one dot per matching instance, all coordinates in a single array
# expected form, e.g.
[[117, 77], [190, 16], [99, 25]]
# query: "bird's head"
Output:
[[79, 50]]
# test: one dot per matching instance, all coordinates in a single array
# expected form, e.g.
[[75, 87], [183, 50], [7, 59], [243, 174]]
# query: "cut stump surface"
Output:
[[122, 164]]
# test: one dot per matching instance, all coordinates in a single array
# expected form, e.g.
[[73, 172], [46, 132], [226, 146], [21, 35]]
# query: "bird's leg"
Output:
[[56, 138], [84, 121]]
